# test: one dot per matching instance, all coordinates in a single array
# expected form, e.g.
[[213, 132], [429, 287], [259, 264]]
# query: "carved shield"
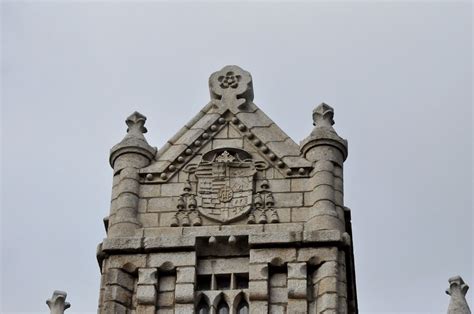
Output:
[[225, 188]]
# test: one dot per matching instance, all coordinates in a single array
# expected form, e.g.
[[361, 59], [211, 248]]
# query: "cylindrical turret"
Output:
[[327, 151], [126, 158]]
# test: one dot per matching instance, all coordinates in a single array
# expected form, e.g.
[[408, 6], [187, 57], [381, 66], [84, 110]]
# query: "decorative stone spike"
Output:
[[323, 116], [274, 217], [251, 219], [257, 200], [185, 221], [212, 240], [232, 239], [187, 187], [136, 123], [57, 303], [174, 221], [197, 221], [323, 135], [192, 202], [269, 201], [457, 290], [265, 185], [134, 141], [181, 204]]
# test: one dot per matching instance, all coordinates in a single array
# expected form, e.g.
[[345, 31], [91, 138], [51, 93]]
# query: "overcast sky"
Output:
[[399, 76]]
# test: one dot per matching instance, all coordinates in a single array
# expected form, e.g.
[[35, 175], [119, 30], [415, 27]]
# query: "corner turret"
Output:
[[127, 158], [323, 142]]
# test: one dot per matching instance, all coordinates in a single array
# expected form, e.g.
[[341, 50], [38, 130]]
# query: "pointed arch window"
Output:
[[243, 307], [222, 307], [203, 307]]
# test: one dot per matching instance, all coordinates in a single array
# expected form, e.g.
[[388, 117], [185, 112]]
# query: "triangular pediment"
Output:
[[246, 122]]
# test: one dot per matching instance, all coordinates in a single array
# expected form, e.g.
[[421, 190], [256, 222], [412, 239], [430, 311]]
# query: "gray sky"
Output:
[[399, 76]]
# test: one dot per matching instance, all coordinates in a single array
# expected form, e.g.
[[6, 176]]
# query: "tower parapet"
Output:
[[230, 215]]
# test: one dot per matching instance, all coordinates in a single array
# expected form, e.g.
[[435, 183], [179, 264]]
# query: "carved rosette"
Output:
[[232, 86]]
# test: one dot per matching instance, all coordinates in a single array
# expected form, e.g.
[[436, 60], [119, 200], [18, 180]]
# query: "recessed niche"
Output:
[[241, 281], [203, 282], [222, 281]]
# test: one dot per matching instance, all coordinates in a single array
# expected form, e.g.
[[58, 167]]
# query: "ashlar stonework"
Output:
[[229, 216]]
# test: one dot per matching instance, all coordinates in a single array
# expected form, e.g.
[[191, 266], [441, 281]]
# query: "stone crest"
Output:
[[225, 186]]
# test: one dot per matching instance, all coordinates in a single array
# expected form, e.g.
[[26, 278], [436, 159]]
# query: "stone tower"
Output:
[[229, 216]]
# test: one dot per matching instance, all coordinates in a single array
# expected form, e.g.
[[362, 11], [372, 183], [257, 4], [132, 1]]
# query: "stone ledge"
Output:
[[322, 236], [170, 241], [124, 244], [275, 238]]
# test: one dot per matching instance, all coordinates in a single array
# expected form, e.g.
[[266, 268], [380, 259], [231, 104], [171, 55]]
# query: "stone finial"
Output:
[[134, 141], [231, 87], [323, 116], [323, 133], [136, 124], [457, 290], [57, 303]]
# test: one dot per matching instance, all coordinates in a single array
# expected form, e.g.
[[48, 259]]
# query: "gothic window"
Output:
[[222, 307], [203, 307], [243, 307]]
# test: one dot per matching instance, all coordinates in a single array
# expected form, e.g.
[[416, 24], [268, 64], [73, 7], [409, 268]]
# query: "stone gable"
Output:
[[230, 212]]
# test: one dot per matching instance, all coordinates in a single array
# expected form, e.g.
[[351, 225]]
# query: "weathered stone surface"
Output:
[[230, 208], [57, 303], [457, 290], [184, 293], [146, 294], [176, 259], [185, 274], [284, 255], [118, 294], [258, 290], [119, 277]]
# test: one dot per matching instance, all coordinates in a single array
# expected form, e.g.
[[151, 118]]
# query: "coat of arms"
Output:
[[225, 186]]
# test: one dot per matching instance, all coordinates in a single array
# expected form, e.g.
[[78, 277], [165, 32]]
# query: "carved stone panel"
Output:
[[225, 187]]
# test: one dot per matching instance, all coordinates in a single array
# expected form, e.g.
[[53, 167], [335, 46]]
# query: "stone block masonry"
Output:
[[230, 215]]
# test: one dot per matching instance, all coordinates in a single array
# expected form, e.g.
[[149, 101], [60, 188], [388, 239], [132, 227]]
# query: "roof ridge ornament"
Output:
[[136, 124], [134, 141], [457, 290], [323, 116], [57, 303], [231, 87]]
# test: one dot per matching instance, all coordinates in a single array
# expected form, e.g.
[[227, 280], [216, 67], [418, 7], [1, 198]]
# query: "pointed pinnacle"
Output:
[[323, 116], [136, 122]]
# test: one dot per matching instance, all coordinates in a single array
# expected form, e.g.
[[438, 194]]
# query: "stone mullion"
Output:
[[297, 288], [118, 291], [258, 288], [147, 290], [184, 291]]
